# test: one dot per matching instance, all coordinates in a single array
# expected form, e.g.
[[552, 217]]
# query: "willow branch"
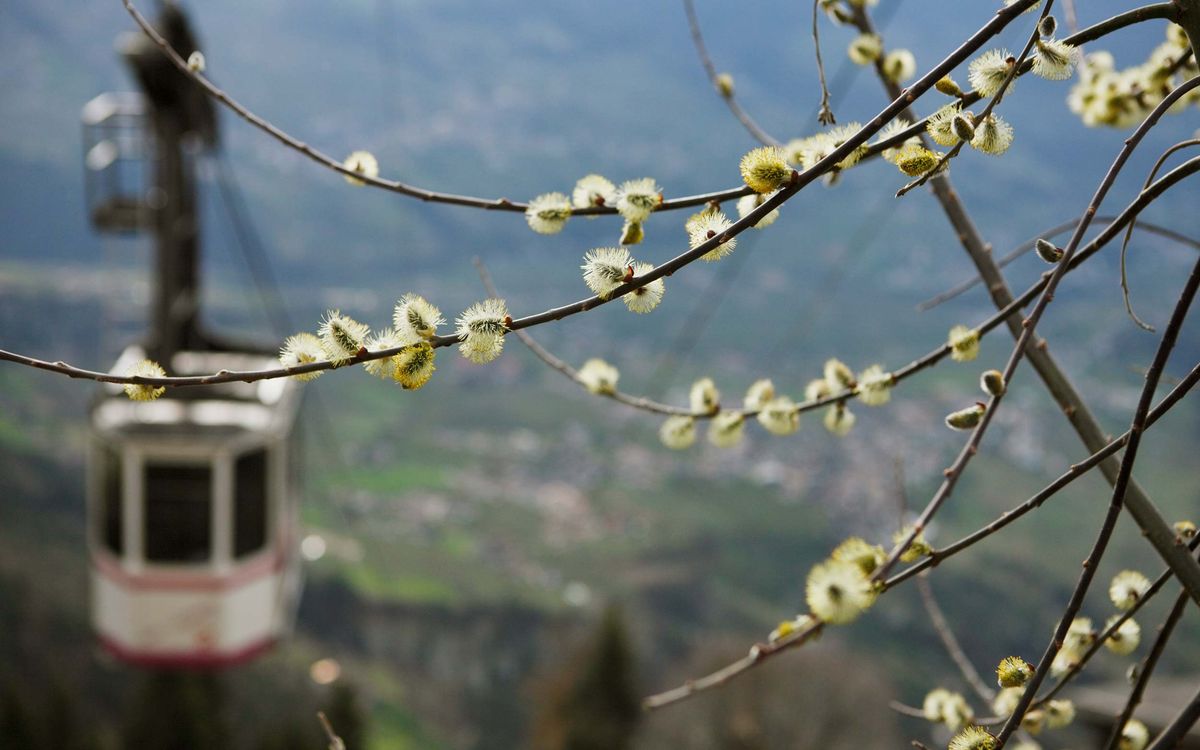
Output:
[[903, 373], [335, 742], [1087, 427], [937, 619], [1158, 11], [1166, 11], [1076, 471], [758, 653], [1145, 514], [906, 710], [646, 404], [1098, 642], [1146, 197], [1136, 428], [1112, 628], [395, 186], [798, 182]]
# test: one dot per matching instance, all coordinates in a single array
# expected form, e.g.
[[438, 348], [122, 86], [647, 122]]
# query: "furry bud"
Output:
[[992, 382], [1048, 251], [965, 419]]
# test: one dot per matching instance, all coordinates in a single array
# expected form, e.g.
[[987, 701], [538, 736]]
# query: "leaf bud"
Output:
[[724, 83], [632, 233], [948, 86], [1048, 251], [966, 419], [992, 382], [964, 125]]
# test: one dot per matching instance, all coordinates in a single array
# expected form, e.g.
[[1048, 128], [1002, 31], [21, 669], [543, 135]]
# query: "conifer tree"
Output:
[[594, 703]]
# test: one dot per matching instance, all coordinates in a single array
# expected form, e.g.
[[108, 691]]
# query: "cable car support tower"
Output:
[[192, 511]]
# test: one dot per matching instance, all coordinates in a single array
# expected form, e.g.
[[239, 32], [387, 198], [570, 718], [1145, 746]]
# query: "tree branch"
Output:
[[395, 186], [248, 376]]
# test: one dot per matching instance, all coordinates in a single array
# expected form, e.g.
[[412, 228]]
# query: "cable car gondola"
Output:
[[191, 510]]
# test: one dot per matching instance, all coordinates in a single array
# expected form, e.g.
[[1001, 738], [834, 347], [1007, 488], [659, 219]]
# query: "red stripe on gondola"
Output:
[[186, 659]]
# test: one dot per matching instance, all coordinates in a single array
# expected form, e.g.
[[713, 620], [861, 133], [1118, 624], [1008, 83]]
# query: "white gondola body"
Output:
[[192, 517]]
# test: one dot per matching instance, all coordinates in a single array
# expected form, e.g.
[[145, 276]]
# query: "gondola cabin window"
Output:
[[178, 513], [250, 503], [111, 528]]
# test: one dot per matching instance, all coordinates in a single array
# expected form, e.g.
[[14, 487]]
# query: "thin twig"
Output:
[[1129, 233], [335, 742], [1180, 61], [825, 111], [938, 620], [1031, 243], [730, 96], [1072, 20], [906, 710], [758, 653], [395, 186]]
